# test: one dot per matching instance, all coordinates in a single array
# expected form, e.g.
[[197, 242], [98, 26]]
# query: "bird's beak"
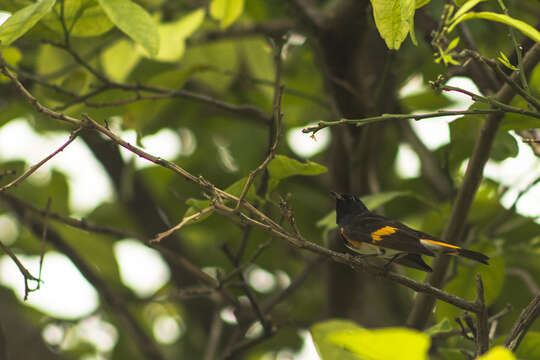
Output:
[[336, 195]]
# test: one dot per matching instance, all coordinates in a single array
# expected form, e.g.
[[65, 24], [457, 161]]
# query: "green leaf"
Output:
[[83, 18], [505, 146], [420, 3], [383, 344], [134, 21], [452, 44], [282, 167], [441, 326], [506, 62], [227, 11], [464, 284], [525, 28], [390, 23], [529, 348], [465, 7], [498, 353], [408, 8], [173, 35], [12, 55], [426, 100], [119, 59], [327, 349], [23, 20]]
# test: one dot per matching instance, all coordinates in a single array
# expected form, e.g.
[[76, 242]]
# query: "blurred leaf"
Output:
[[464, 284], [83, 18], [406, 344], [134, 21], [173, 35], [23, 20], [505, 146], [426, 100], [227, 11], [441, 326], [119, 59], [12, 56], [420, 3], [391, 24], [529, 348], [498, 353], [282, 167], [327, 349]]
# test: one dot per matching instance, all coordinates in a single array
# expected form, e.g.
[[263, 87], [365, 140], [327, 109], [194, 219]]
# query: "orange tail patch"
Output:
[[435, 242]]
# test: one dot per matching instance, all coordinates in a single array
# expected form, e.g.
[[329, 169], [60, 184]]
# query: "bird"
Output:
[[373, 235]]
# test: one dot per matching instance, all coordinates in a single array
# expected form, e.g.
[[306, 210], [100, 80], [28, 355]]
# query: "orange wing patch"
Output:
[[378, 234], [355, 243], [434, 242]]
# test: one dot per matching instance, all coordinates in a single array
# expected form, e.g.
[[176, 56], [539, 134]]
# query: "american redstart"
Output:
[[370, 234]]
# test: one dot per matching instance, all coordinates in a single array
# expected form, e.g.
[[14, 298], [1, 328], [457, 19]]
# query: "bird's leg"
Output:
[[386, 266]]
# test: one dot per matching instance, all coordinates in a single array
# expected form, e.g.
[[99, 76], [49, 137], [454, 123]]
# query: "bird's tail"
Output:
[[473, 255]]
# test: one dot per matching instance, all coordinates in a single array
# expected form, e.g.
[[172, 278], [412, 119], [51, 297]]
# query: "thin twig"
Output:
[[181, 224], [25, 273], [359, 122], [34, 168]]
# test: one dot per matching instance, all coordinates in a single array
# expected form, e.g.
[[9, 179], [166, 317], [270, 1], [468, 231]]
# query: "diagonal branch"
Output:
[[523, 323], [423, 305]]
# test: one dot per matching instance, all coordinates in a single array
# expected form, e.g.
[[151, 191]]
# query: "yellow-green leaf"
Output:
[[498, 353], [465, 8], [134, 21], [525, 28], [392, 27], [83, 18], [383, 344], [23, 20], [119, 59], [173, 35], [226, 11]]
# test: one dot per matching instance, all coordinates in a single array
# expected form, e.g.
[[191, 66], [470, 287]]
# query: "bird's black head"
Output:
[[348, 205]]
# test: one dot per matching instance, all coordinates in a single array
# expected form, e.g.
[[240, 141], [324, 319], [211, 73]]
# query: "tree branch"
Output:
[[523, 323], [423, 305]]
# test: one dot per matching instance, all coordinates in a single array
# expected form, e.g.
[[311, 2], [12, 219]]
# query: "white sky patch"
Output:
[[407, 162], [308, 350], [4, 16], [434, 132], [261, 280], [517, 173], [89, 185], [167, 330], [100, 333], [141, 268], [65, 293], [227, 315], [303, 144], [165, 144], [9, 229]]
